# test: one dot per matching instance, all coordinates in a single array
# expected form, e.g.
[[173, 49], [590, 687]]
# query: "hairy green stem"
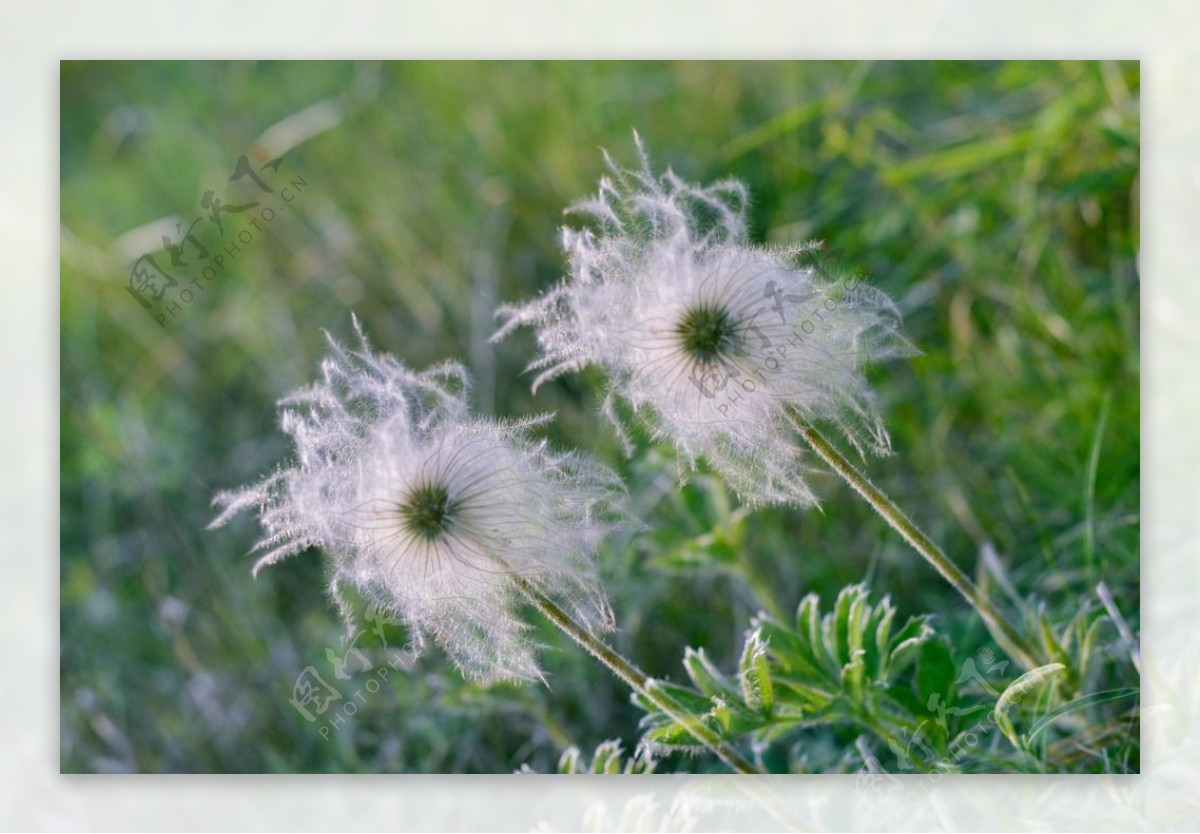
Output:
[[634, 677], [1005, 633]]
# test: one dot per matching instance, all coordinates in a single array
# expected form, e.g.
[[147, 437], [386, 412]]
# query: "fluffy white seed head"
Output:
[[432, 514], [713, 341]]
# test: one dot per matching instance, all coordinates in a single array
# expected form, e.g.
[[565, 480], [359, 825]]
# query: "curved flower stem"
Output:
[[635, 677], [1004, 632]]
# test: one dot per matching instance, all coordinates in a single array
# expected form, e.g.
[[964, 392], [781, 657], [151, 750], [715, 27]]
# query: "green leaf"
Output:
[[705, 675], [754, 675], [569, 761], [1083, 702], [1051, 643], [854, 679], [1016, 692], [688, 698], [609, 758], [670, 735], [808, 623], [812, 697], [826, 669], [790, 651], [904, 696], [936, 672], [936, 689], [1086, 645], [856, 625], [837, 632], [877, 650], [908, 642]]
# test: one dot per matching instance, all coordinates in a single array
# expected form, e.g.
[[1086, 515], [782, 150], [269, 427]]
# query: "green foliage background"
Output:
[[996, 202]]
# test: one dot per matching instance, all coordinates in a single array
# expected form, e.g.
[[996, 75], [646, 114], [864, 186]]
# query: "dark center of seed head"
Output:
[[705, 332], [428, 511]]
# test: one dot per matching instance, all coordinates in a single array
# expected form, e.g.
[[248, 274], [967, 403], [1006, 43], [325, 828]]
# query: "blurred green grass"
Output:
[[997, 202]]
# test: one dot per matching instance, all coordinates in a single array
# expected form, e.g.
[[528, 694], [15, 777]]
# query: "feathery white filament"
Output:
[[429, 513], [710, 338]]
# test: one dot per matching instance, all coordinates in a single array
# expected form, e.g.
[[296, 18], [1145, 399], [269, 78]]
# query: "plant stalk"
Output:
[[1005, 633], [634, 677]]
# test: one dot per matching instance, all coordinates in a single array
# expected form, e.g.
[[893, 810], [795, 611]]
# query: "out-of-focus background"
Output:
[[996, 202]]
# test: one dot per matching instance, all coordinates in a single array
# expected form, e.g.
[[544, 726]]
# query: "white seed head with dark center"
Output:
[[427, 511], [706, 333], [712, 340], [430, 513]]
